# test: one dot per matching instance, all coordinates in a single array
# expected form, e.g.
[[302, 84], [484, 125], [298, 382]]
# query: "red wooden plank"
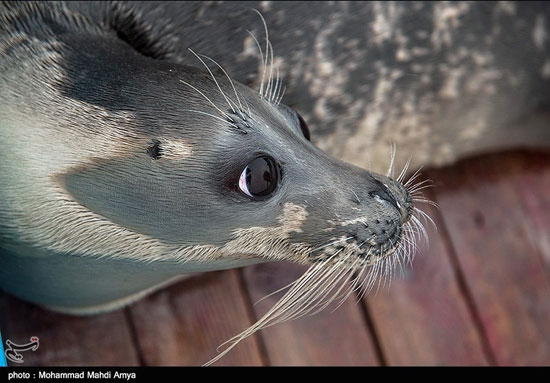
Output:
[[423, 318], [488, 226], [185, 323], [328, 338], [67, 340], [530, 178]]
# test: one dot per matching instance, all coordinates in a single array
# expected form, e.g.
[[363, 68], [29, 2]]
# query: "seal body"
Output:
[[442, 80], [124, 168]]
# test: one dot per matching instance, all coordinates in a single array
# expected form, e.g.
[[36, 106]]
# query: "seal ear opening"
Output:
[[154, 150], [135, 31]]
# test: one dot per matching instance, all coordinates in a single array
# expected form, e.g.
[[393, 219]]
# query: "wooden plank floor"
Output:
[[478, 295]]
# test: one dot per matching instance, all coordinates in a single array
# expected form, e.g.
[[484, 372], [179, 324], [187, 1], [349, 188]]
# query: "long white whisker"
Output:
[[424, 182], [207, 99], [392, 159], [278, 84], [404, 171], [269, 90], [419, 224], [211, 115], [261, 56], [424, 200], [425, 216], [331, 243], [413, 177], [281, 97], [266, 50], [213, 78], [229, 78], [275, 292]]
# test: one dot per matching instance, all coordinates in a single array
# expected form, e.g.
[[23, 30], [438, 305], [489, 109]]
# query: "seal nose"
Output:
[[382, 192]]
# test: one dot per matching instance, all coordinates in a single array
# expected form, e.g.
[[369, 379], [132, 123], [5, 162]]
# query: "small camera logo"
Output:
[[13, 350]]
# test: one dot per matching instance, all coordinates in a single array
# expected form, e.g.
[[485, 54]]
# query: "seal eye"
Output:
[[304, 128], [259, 178]]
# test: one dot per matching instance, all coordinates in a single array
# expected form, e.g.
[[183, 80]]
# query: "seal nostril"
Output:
[[383, 193]]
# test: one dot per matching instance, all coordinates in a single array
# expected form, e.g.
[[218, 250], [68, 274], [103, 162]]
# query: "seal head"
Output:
[[122, 171]]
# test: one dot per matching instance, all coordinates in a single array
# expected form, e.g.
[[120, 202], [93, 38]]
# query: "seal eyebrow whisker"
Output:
[[213, 78], [213, 116], [261, 55], [258, 45], [230, 81], [281, 98], [269, 63], [277, 87], [266, 50], [207, 99], [278, 97], [269, 89]]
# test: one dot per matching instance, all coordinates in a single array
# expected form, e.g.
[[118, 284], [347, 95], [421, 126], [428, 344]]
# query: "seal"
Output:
[[124, 169]]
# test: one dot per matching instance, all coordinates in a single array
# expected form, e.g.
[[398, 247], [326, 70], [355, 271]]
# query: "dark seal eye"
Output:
[[305, 129], [259, 178]]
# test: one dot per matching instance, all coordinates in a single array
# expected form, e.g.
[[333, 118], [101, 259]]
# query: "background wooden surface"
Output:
[[478, 295]]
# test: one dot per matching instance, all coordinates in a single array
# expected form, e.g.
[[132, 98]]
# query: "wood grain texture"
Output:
[[529, 175], [185, 323], [484, 209], [328, 338], [101, 340], [423, 318]]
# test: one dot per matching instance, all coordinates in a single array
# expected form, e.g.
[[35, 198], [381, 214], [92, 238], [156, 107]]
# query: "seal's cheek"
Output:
[[153, 197]]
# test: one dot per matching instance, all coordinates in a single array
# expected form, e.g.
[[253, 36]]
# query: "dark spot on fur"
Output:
[[479, 220], [155, 151]]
